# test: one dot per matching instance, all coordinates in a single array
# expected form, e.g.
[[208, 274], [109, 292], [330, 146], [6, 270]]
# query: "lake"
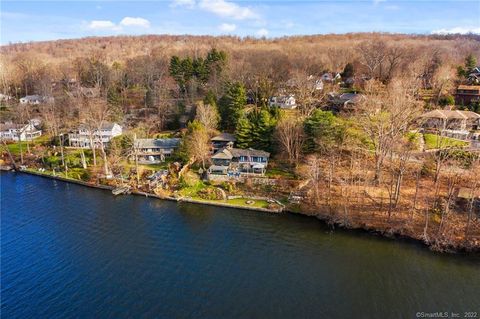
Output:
[[69, 251]]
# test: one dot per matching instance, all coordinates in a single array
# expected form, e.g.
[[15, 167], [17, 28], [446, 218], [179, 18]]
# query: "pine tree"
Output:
[[243, 132], [231, 105]]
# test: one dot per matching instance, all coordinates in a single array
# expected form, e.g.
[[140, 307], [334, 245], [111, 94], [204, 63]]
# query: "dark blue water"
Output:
[[68, 251]]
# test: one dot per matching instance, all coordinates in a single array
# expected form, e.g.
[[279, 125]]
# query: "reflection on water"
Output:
[[70, 251]]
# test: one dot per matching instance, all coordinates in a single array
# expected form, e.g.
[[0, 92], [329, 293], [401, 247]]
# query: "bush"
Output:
[[446, 100]]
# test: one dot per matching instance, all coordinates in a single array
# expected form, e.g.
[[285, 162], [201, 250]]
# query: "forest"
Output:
[[369, 165]]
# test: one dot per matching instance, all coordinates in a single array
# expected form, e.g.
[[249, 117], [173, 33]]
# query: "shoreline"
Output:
[[384, 234]]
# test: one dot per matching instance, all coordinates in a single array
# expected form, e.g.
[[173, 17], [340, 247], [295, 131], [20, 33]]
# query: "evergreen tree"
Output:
[[210, 99], [323, 131], [243, 132], [348, 71], [470, 62], [231, 105]]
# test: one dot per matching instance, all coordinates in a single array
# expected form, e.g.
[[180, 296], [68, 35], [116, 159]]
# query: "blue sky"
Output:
[[23, 21]]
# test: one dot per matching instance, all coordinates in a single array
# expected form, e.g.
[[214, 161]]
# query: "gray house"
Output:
[[236, 161], [222, 140], [155, 150]]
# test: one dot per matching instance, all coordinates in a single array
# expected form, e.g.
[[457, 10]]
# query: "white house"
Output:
[[331, 77], [155, 150], [83, 137], [22, 132], [283, 102], [5, 97], [36, 99]]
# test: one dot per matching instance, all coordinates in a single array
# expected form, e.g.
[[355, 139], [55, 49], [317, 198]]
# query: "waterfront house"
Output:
[[467, 94], [22, 132], [235, 162], [83, 137], [155, 150], [283, 102], [452, 123], [222, 140], [36, 99]]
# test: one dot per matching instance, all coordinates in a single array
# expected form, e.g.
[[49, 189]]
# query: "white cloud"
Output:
[[227, 27], [183, 3], [262, 32], [102, 25], [228, 9], [135, 22], [376, 2], [460, 30]]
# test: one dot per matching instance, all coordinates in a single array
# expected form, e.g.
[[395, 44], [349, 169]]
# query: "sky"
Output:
[[23, 21]]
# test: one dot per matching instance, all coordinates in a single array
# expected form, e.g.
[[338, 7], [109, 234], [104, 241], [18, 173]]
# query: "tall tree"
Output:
[[232, 104]]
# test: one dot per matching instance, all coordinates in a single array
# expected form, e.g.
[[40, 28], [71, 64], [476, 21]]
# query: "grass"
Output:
[[433, 141], [278, 172], [73, 173], [192, 191], [242, 202], [14, 148]]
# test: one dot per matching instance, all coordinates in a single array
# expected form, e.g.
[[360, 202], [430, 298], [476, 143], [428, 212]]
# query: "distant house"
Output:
[[236, 162], [457, 124], [22, 132], [467, 94], [5, 97], [283, 102], [36, 99], [474, 76], [222, 140], [155, 150], [345, 101], [331, 77], [84, 137]]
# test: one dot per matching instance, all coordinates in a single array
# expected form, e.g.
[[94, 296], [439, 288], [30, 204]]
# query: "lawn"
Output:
[[242, 202], [433, 141], [278, 172], [14, 148]]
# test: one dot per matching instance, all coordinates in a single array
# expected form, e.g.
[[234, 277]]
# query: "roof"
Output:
[[9, 126], [448, 114], [32, 97], [157, 142], [105, 126], [227, 137], [469, 87], [466, 193], [237, 152], [353, 97]]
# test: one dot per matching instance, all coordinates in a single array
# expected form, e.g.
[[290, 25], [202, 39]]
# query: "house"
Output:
[[312, 82], [222, 140], [22, 132], [155, 150], [283, 102], [5, 97], [345, 100], [467, 94], [36, 99], [331, 77], [473, 77], [452, 123], [83, 137], [235, 162]]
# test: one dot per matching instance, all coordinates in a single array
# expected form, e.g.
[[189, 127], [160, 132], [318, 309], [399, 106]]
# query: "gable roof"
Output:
[[449, 114], [105, 126], [224, 137], [468, 87], [157, 142]]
